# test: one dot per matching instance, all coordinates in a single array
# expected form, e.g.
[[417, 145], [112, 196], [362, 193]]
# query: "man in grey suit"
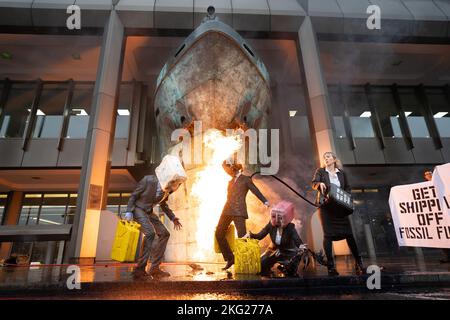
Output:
[[147, 194]]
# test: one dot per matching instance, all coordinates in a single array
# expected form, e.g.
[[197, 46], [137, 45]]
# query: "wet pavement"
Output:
[[401, 279]]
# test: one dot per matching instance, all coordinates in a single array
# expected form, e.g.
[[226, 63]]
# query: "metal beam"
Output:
[[346, 118], [404, 127], [66, 114], [428, 115], [375, 119], [32, 117]]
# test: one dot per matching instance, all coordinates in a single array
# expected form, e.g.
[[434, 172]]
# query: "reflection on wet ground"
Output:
[[207, 281], [114, 272]]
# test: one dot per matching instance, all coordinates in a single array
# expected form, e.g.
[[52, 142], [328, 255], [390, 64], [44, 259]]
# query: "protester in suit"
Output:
[[147, 194], [235, 209], [335, 227], [428, 176], [285, 242]]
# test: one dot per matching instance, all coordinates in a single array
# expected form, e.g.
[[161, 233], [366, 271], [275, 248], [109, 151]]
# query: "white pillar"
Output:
[[95, 171], [319, 104]]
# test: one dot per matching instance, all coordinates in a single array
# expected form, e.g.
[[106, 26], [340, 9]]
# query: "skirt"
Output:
[[334, 226]]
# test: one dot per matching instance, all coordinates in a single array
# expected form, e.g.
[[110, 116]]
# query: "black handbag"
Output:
[[338, 201]]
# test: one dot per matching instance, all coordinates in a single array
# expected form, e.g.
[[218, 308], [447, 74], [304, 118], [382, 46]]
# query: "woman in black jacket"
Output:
[[285, 241], [335, 227]]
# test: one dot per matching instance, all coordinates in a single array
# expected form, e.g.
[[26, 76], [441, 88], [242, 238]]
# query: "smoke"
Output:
[[297, 172]]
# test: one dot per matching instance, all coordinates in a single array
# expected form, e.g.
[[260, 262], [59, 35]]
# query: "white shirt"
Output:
[[278, 237], [334, 177]]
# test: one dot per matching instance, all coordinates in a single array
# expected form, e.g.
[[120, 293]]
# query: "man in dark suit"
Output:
[[147, 194], [235, 209]]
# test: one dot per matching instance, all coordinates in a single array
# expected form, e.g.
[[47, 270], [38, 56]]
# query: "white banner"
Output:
[[421, 214], [441, 180]]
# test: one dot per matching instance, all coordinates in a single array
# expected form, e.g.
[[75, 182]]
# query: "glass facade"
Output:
[[44, 209], [353, 101], [52, 209], [338, 112], [414, 112], [383, 101], [440, 106], [124, 110], [50, 110], [80, 109], [359, 113], [59, 208], [16, 113], [49, 115]]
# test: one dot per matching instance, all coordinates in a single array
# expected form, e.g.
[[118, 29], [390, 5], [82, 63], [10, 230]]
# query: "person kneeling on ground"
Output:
[[285, 239]]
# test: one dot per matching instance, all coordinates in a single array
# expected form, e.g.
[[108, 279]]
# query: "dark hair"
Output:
[[233, 166]]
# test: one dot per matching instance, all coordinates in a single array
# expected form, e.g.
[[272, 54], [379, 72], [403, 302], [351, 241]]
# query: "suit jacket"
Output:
[[289, 238], [237, 191], [145, 197], [321, 175]]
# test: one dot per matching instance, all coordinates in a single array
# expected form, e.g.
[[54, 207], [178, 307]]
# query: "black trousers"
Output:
[[151, 226], [270, 257], [221, 230], [328, 247]]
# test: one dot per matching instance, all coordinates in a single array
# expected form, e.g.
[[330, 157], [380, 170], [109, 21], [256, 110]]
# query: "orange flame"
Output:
[[210, 189]]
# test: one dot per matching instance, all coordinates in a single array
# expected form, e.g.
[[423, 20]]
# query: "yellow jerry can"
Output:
[[247, 256], [125, 241], [230, 236]]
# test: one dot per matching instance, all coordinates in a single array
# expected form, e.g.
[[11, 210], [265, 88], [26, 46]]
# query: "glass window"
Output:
[[124, 202], [337, 112], [17, 110], [441, 110], [53, 209], [71, 209], [384, 103], [3, 201], [413, 111], [113, 202], [30, 209], [80, 111], [49, 208], [50, 111], [359, 112], [124, 110]]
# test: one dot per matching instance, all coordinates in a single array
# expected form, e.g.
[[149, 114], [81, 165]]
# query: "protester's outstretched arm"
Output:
[[254, 189], [260, 235]]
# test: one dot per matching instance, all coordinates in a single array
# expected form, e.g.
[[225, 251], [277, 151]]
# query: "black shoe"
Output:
[[140, 273], [158, 274], [332, 272], [228, 265]]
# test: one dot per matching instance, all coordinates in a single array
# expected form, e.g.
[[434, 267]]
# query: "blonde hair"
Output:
[[338, 163]]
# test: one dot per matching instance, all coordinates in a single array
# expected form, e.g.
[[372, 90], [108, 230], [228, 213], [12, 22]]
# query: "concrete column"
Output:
[[92, 192], [319, 113], [317, 92], [11, 218]]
